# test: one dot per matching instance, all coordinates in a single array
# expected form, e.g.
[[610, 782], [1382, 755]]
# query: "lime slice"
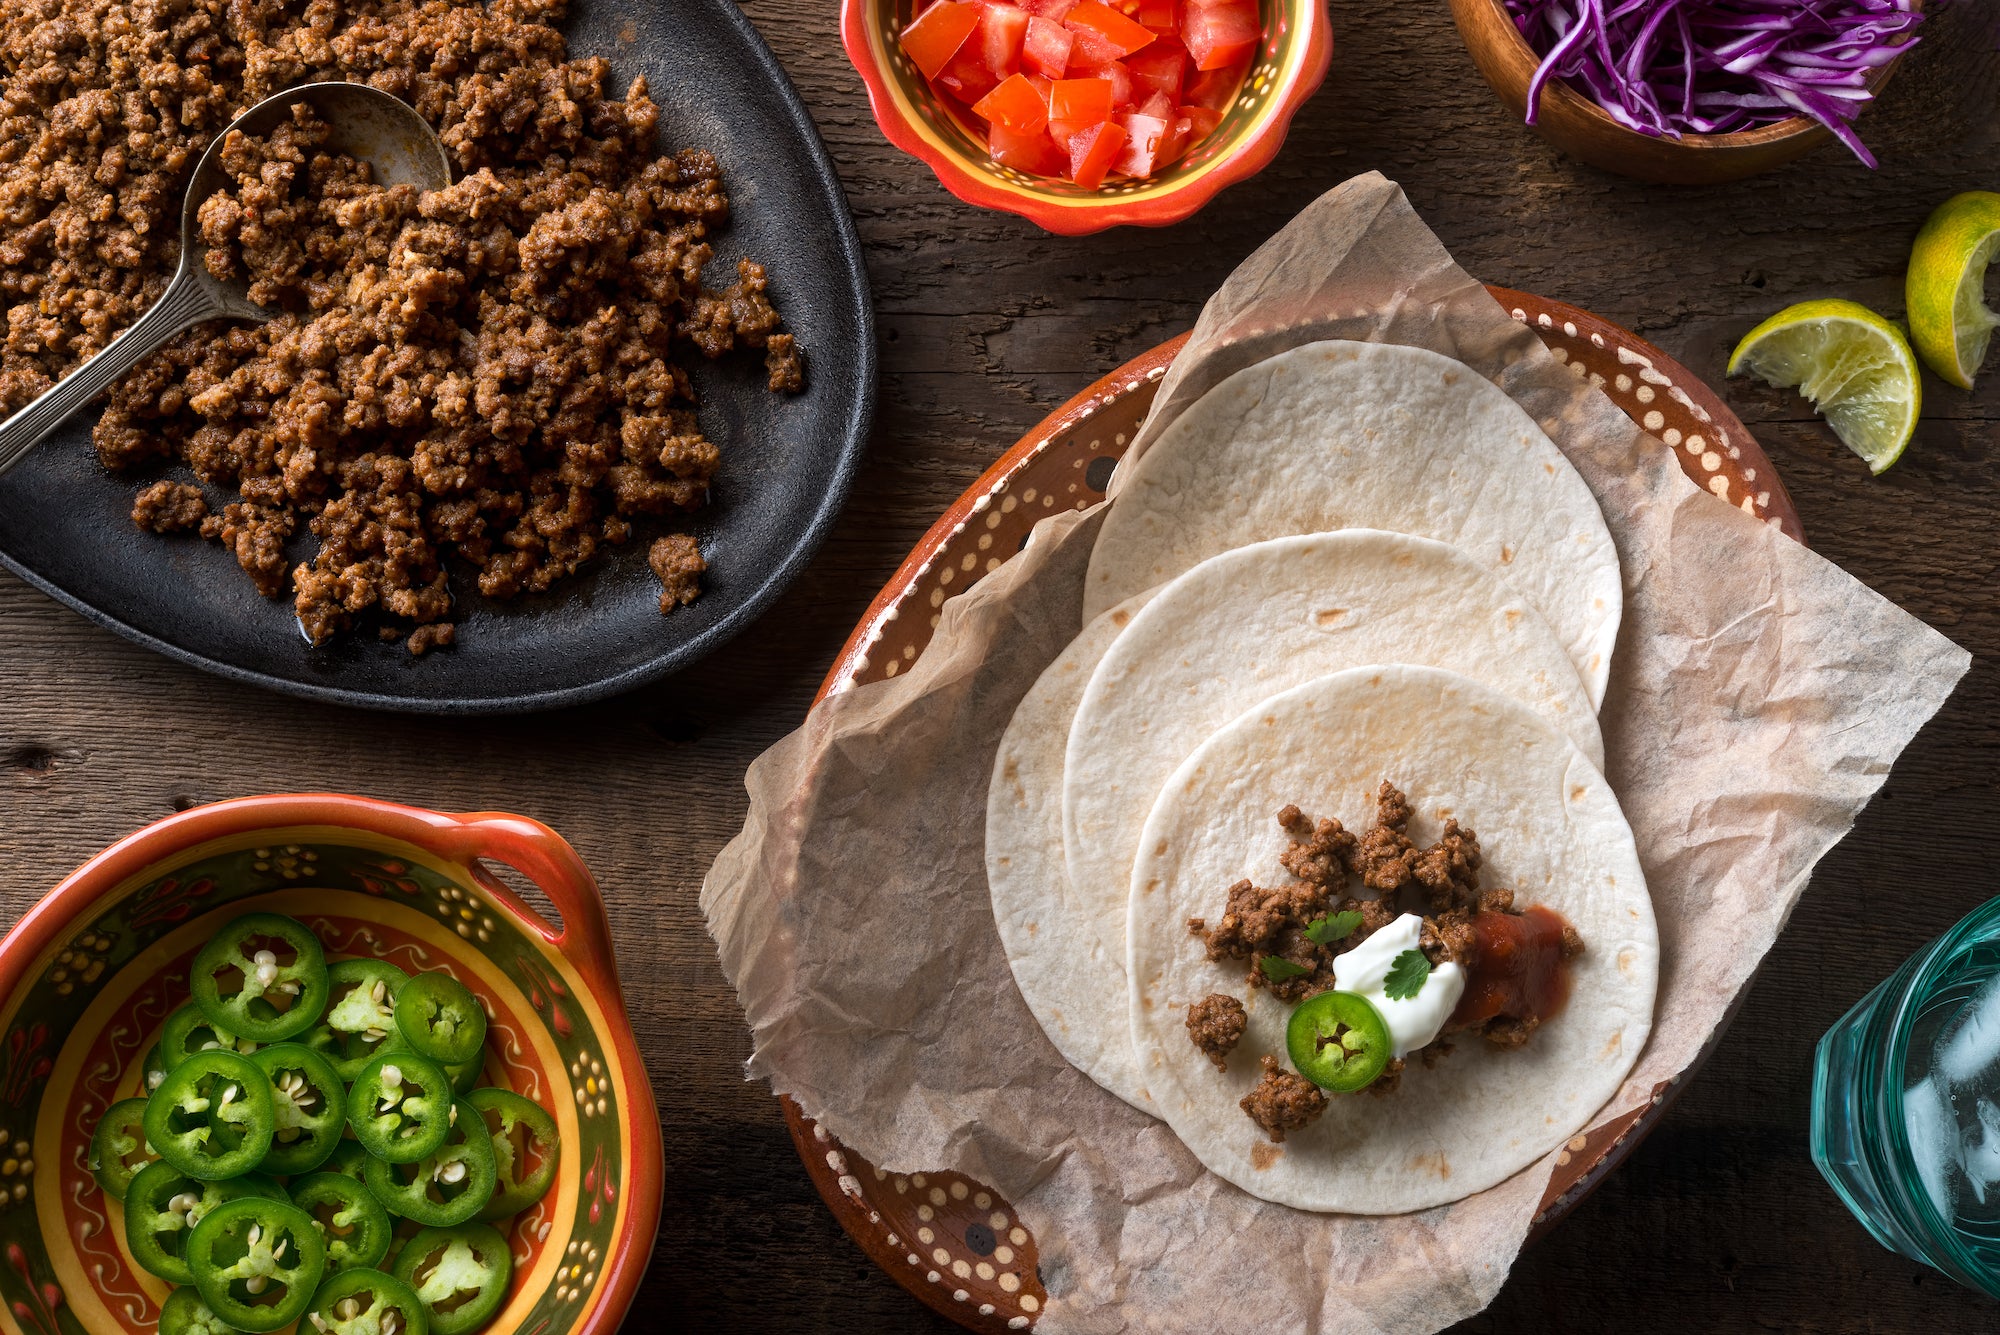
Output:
[[1854, 365], [1946, 286]]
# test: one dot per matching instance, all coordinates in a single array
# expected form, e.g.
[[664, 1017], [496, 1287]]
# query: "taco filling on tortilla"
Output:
[[1373, 982]]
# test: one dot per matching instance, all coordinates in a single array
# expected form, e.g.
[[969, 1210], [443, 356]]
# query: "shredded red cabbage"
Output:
[[1674, 67]]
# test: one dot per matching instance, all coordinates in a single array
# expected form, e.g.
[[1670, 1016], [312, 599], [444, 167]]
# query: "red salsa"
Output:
[[1087, 89], [1517, 971]]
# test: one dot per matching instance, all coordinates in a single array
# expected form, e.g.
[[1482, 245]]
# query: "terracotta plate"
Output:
[[952, 1241]]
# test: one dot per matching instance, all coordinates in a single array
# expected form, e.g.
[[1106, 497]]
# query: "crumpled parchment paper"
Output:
[[1758, 698]]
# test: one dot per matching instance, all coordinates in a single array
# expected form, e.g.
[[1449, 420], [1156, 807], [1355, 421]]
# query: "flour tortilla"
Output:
[[1551, 830], [1257, 621], [1368, 435], [1074, 985]]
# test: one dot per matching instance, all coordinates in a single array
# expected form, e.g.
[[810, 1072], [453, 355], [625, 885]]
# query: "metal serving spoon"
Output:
[[366, 123]]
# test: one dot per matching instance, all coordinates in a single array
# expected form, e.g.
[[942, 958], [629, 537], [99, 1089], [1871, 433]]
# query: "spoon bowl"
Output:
[[399, 147]]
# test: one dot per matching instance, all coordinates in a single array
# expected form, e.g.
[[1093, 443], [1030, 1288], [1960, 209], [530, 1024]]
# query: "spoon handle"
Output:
[[187, 301]]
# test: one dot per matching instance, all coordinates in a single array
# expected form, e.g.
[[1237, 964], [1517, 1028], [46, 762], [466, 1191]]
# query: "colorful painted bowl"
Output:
[[1290, 65], [87, 977], [1585, 131]]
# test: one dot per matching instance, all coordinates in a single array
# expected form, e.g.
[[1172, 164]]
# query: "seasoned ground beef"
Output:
[[1215, 1025], [1282, 1101], [170, 507], [487, 377], [677, 563]]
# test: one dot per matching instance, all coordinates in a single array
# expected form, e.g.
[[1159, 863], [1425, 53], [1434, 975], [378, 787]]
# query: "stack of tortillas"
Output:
[[1351, 562]]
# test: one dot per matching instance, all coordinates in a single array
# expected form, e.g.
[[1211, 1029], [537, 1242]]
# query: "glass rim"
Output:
[[1938, 1231]]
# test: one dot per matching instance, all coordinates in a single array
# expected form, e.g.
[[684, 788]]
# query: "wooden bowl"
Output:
[[1585, 131], [1298, 43], [953, 1241], [88, 976]]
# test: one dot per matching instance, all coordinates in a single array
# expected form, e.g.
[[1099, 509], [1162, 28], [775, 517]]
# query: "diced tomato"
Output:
[[1034, 153], [1045, 51], [1221, 35], [1197, 124], [1114, 73], [934, 38], [1055, 11], [1083, 101], [1092, 152], [1158, 15], [1160, 68], [1099, 27], [966, 77], [1159, 105], [1002, 28], [1214, 89], [1142, 143], [1016, 105]]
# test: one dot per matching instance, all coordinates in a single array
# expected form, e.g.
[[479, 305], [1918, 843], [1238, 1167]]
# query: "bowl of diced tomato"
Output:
[[1087, 114]]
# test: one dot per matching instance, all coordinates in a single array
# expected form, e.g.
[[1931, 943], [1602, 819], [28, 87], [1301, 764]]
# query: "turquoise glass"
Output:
[[1906, 1105]]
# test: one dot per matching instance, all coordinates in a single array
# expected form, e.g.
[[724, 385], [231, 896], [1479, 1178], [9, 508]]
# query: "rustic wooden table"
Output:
[[1718, 1222]]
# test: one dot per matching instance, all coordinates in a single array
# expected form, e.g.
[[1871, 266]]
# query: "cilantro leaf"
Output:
[[1407, 974], [1277, 968], [1331, 927]]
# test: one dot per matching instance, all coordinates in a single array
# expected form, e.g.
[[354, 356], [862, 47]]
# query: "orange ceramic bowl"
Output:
[[88, 976], [1298, 43]]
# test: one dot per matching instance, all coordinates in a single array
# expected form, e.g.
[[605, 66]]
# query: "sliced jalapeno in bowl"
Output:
[[354, 1225], [451, 1185], [348, 1159], [526, 1149], [257, 1262], [309, 1105], [154, 1070], [441, 1019], [400, 1107], [164, 1204], [360, 1022], [184, 1313], [118, 1148], [460, 1274], [1339, 1041], [212, 1117], [359, 1302], [262, 977], [189, 1031]]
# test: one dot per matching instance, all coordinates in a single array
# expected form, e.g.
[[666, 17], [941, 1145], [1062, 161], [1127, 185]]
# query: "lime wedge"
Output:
[[1854, 365], [1946, 286]]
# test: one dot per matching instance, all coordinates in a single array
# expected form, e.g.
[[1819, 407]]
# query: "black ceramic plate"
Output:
[[786, 459]]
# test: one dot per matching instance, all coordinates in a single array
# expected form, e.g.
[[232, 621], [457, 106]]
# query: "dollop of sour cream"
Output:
[[1364, 969]]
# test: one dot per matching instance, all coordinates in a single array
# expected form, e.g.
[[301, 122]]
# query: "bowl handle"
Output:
[[544, 857]]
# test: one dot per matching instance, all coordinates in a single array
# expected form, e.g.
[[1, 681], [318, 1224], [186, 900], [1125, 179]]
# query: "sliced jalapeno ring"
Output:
[[118, 1148], [400, 1107], [352, 1222], [184, 1313], [262, 977], [310, 1107], [360, 1022], [359, 1302], [465, 1076], [257, 1262], [188, 1031], [212, 1117], [460, 1274], [441, 1019], [526, 1149], [451, 1185], [1339, 1041], [164, 1204], [348, 1159], [154, 1071]]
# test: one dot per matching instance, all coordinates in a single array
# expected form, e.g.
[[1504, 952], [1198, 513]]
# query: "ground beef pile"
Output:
[[1282, 1101], [1260, 923], [489, 376]]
